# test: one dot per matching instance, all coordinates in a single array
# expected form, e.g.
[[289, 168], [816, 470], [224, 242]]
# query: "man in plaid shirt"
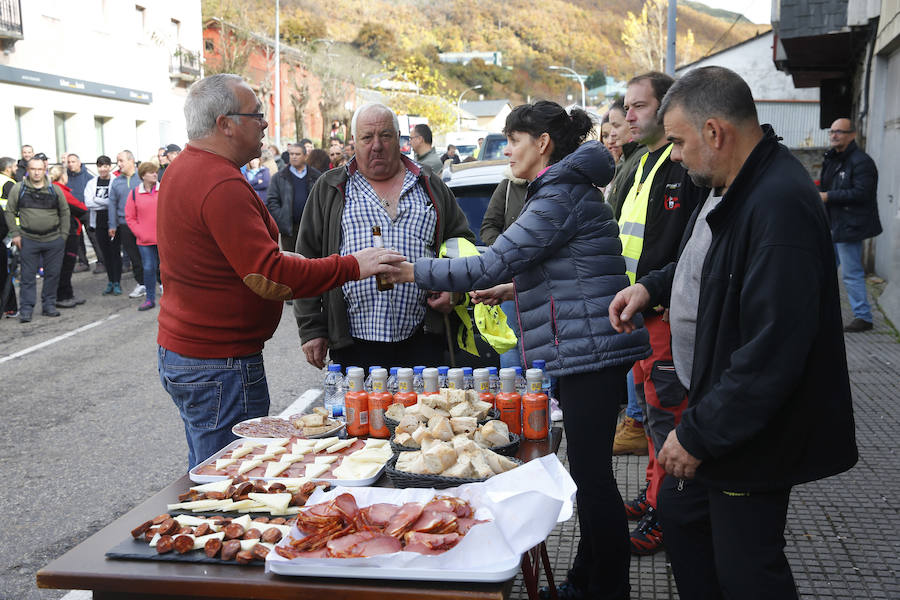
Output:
[[416, 212]]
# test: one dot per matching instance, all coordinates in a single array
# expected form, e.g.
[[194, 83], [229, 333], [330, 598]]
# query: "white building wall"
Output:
[[107, 42]]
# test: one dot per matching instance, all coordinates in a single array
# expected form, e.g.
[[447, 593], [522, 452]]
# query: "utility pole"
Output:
[[670, 42], [277, 73]]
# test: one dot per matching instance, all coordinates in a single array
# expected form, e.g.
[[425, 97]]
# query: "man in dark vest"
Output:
[[287, 195]]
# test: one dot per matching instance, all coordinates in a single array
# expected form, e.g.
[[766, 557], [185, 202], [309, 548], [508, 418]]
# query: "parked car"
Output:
[[494, 144], [473, 183]]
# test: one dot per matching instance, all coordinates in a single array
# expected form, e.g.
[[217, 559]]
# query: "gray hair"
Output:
[[6, 162], [207, 99], [709, 92], [128, 154], [373, 106], [299, 146]]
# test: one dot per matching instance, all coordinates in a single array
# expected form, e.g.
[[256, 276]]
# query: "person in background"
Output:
[[276, 156], [420, 139], [65, 295], [140, 214], [307, 144], [226, 281], [849, 183], [606, 138], [37, 216], [172, 152], [338, 131], [335, 154], [22, 163], [268, 161], [564, 222], [631, 153], [451, 154], [318, 159], [78, 177], [258, 176], [287, 195], [162, 159], [109, 246], [119, 189], [8, 304]]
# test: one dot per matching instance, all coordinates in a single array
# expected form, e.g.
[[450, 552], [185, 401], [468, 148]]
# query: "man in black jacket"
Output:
[[756, 339], [287, 195], [848, 183]]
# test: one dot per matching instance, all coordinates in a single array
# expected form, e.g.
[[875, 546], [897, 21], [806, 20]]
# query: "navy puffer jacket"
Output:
[[564, 255]]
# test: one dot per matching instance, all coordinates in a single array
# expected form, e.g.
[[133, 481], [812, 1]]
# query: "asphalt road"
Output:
[[87, 431]]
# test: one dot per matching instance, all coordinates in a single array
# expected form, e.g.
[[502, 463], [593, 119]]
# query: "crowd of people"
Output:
[[683, 267]]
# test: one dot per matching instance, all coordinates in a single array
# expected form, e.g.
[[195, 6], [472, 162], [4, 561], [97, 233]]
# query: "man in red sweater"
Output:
[[225, 278]]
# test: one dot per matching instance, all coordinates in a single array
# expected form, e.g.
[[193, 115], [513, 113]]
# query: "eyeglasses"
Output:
[[257, 116], [836, 131]]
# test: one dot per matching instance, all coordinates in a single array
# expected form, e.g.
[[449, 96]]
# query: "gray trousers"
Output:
[[50, 256]]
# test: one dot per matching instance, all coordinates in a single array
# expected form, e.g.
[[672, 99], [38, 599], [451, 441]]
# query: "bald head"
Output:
[[840, 135]]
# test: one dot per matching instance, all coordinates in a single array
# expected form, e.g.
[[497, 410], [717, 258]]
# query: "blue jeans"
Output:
[[513, 356], [633, 409], [32, 255], [213, 395], [849, 258], [150, 263]]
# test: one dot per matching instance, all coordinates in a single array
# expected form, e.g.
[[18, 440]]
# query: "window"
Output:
[[100, 133], [140, 18], [209, 45], [59, 130], [175, 31], [20, 128]]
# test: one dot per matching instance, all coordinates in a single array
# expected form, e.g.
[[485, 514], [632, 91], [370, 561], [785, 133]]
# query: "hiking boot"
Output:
[[116, 289], [631, 439], [637, 508], [66, 303], [564, 591], [99, 267], [857, 325], [109, 289], [647, 537]]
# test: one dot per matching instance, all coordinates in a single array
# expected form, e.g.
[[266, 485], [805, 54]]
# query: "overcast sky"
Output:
[[758, 11]]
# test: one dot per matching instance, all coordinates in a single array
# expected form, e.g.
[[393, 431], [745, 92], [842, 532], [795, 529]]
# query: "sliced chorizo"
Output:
[[165, 544], [233, 531], [271, 535], [230, 549], [183, 544], [141, 529], [212, 547]]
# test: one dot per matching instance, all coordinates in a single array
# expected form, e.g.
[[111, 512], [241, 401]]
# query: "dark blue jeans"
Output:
[[32, 255], [150, 265], [213, 395]]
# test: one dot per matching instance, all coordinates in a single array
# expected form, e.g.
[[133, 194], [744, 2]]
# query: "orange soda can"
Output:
[[509, 402], [356, 404], [534, 407], [379, 401]]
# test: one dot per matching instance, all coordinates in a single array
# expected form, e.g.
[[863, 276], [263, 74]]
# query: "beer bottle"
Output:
[[381, 282]]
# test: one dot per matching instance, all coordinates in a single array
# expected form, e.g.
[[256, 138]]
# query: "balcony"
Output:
[[10, 24], [184, 66]]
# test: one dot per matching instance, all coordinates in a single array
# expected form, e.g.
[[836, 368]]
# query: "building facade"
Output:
[[96, 76]]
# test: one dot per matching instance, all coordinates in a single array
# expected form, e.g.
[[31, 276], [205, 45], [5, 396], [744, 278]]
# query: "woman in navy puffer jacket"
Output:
[[564, 258]]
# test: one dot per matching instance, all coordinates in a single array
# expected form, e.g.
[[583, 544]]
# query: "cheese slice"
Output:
[[189, 521], [294, 483], [215, 486], [244, 521], [275, 450], [303, 445], [370, 455], [354, 470], [248, 544], [194, 504], [154, 540], [274, 469], [276, 501], [265, 457], [325, 443], [200, 542], [290, 458], [376, 443], [247, 465], [222, 463], [219, 505], [242, 451], [241, 506], [325, 460], [340, 445], [314, 470]]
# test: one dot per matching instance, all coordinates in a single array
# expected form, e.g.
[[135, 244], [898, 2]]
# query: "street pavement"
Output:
[[88, 432]]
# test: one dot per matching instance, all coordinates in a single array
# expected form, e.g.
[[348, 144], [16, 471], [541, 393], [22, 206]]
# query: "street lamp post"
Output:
[[458, 107], [578, 76]]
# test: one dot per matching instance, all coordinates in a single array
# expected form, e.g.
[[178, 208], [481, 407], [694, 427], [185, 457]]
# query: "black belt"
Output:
[[36, 232]]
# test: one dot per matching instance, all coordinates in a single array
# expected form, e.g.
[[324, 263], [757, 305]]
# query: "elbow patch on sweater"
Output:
[[266, 288]]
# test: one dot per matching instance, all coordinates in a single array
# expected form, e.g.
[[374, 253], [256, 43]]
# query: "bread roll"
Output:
[[439, 457], [395, 411], [461, 468], [466, 425], [440, 428], [405, 439], [408, 423], [498, 462], [495, 433]]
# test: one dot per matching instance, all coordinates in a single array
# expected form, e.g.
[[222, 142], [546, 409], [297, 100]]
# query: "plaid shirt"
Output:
[[394, 315]]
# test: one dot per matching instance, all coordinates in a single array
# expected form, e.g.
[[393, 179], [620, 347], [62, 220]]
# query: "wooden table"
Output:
[[85, 566]]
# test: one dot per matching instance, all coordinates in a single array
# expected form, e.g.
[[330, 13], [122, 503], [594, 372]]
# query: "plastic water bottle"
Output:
[[442, 376], [493, 380], [455, 379], [418, 381], [521, 386], [346, 382], [545, 382], [333, 386], [368, 383], [392, 381], [468, 379]]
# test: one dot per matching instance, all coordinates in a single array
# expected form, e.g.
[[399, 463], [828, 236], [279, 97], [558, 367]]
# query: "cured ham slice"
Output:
[[404, 519], [435, 522], [378, 515], [463, 525], [430, 543], [364, 543], [458, 507]]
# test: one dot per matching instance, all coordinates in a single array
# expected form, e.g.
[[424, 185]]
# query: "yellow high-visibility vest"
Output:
[[3, 199], [633, 219]]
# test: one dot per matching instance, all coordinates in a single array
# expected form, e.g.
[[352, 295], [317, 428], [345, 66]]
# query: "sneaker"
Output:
[[50, 313], [564, 591], [857, 325], [80, 268], [556, 413], [637, 508], [647, 537], [99, 268], [147, 305], [138, 291], [66, 303], [117, 289], [631, 439], [24, 318], [110, 286]]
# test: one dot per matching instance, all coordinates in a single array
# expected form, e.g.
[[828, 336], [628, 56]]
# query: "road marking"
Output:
[[58, 338]]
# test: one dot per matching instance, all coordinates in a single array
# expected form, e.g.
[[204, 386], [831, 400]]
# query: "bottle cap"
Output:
[[467, 371], [492, 370], [539, 364], [418, 369], [372, 368], [430, 372], [379, 373], [334, 368], [507, 373], [534, 375], [518, 370], [443, 370], [394, 370], [404, 373]]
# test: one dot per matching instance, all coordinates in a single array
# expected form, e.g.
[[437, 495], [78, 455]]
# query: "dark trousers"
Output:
[[92, 235], [419, 349], [111, 249], [7, 288], [81, 249], [64, 290], [34, 253], [129, 244], [590, 403], [726, 544], [289, 242]]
